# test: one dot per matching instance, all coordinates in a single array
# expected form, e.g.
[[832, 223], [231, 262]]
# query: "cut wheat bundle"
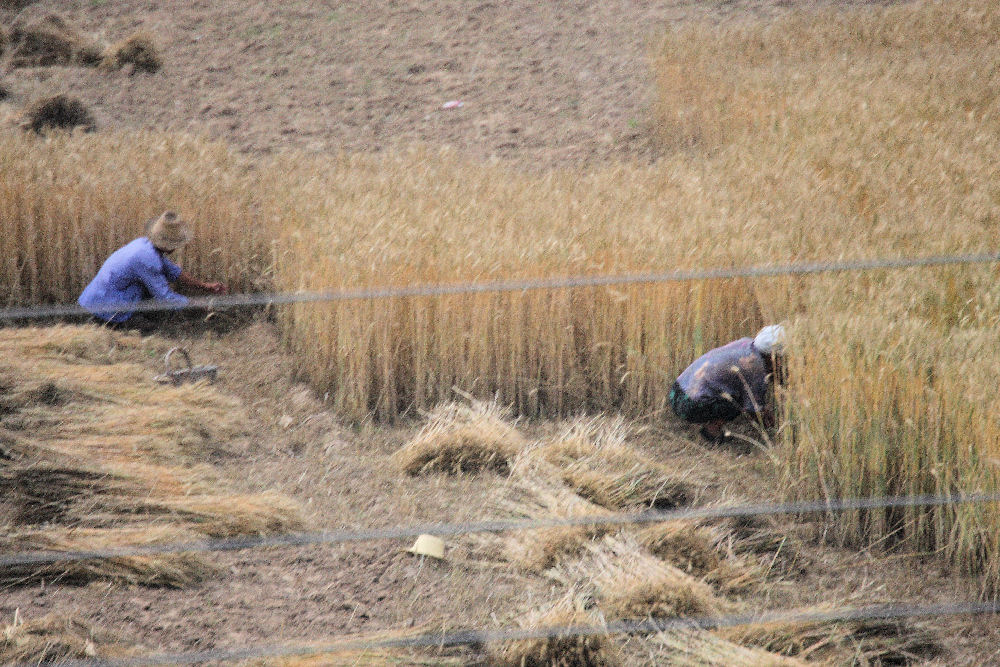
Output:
[[53, 639], [873, 641], [700, 648], [51, 39], [568, 650], [172, 570], [534, 492], [628, 583], [463, 438], [596, 461]]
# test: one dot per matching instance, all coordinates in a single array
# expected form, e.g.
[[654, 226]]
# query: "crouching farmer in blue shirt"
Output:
[[142, 270], [729, 381]]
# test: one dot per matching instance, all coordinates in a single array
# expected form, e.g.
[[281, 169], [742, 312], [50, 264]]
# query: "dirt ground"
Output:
[[554, 83], [542, 84]]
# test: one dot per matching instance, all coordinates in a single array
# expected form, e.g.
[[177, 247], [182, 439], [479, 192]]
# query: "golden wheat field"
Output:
[[872, 133]]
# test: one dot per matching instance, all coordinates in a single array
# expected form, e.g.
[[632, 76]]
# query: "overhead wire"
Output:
[[480, 637], [492, 526], [512, 285]]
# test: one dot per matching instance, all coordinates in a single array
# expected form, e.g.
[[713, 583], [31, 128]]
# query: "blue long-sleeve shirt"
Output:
[[735, 372], [132, 273]]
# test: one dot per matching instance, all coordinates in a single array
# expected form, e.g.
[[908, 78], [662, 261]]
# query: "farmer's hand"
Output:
[[216, 288]]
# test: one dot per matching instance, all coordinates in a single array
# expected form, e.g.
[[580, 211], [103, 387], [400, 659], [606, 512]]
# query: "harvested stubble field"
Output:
[[753, 133], [292, 445]]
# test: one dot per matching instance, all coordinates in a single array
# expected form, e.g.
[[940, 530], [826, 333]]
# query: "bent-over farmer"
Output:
[[729, 381], [142, 270]]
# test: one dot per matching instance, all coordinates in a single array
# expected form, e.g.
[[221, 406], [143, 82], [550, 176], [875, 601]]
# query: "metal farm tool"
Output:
[[177, 376]]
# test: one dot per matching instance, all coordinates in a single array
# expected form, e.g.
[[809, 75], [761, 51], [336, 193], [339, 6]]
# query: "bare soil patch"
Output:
[[540, 84]]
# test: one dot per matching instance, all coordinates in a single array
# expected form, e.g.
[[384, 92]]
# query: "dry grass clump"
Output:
[[98, 455], [707, 553], [561, 651], [595, 461], [234, 514], [628, 583], [138, 50], [700, 648], [463, 438], [688, 547], [660, 591], [870, 642], [57, 112], [51, 40], [538, 550], [761, 538], [54, 639], [172, 570], [662, 595], [535, 493]]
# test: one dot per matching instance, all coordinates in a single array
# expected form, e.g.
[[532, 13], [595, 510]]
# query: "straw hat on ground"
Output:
[[428, 545], [168, 232]]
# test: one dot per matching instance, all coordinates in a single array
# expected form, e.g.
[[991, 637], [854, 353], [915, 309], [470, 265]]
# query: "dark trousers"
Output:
[[152, 322], [701, 411]]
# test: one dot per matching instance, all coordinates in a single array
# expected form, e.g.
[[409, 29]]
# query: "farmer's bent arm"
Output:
[[142, 270]]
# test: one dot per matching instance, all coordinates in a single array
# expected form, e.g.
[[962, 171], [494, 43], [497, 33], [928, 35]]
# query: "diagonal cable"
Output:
[[494, 526], [477, 637], [516, 285]]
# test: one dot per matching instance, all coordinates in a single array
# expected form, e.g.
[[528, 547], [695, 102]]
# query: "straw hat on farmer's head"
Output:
[[168, 232]]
